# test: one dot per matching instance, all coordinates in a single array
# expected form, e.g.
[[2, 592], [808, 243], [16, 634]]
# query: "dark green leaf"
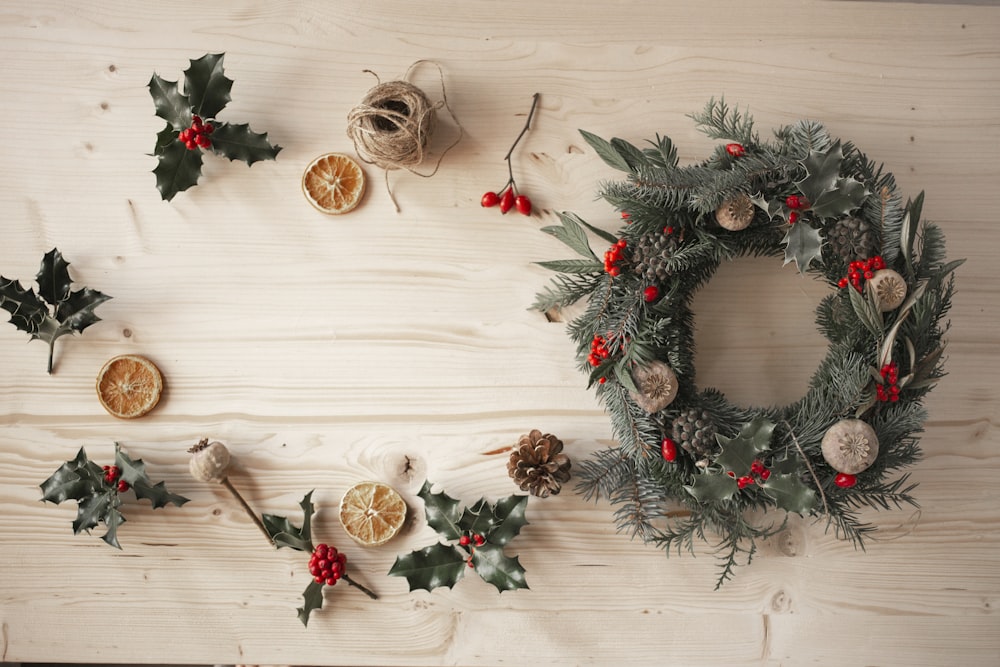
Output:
[[277, 525], [829, 194], [76, 313], [772, 207], [238, 142], [171, 105], [607, 236], [286, 534], [572, 234], [430, 567], [27, 312], [71, 481], [606, 151], [790, 493], [739, 453], [572, 266], [908, 230], [207, 86], [509, 513], [177, 169], [442, 512], [133, 470], [665, 153], [91, 510], [503, 572], [478, 518], [868, 313], [711, 487], [633, 157], [112, 520], [307, 511], [312, 598], [164, 138], [157, 494], [803, 244], [53, 277]]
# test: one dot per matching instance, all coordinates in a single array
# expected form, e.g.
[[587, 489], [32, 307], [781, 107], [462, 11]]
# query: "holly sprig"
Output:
[[477, 536], [56, 309], [284, 533], [98, 491], [192, 126]]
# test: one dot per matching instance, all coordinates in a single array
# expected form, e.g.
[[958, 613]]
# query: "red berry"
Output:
[[731, 474], [792, 201], [756, 467], [764, 474], [479, 540], [869, 275], [331, 581], [845, 481], [651, 293], [318, 579], [668, 230], [842, 283], [191, 145], [603, 380], [464, 540], [523, 205], [507, 200], [490, 199], [625, 216], [470, 563], [669, 450], [614, 271], [208, 128], [736, 150], [184, 135], [203, 141], [122, 486], [744, 482], [793, 217]]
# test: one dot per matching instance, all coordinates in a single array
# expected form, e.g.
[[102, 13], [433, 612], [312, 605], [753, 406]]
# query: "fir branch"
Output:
[[565, 290], [719, 121]]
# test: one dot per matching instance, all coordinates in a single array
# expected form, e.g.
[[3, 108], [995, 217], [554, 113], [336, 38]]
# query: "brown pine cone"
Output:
[[537, 464]]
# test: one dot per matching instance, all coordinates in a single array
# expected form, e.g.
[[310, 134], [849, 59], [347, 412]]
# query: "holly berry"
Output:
[[736, 150], [793, 202], [464, 540], [326, 565], [490, 199], [668, 448], [507, 200], [793, 217], [523, 205], [122, 486], [744, 482], [845, 481], [479, 540], [651, 293], [196, 136]]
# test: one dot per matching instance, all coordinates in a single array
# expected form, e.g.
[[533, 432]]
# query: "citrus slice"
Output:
[[129, 386], [372, 513], [333, 183]]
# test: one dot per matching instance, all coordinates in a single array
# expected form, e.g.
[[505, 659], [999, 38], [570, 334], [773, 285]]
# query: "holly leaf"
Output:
[[430, 567], [239, 142], [164, 138], [790, 493], [76, 479], [207, 86], [170, 103], [91, 511], [509, 513], [572, 234], [739, 453], [442, 512], [712, 487], [498, 569], [312, 598], [177, 169], [803, 244], [112, 520], [133, 471], [286, 534], [67, 312], [772, 208], [829, 194], [478, 518]]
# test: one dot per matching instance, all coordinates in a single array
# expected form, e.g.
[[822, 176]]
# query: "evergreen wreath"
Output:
[[688, 463]]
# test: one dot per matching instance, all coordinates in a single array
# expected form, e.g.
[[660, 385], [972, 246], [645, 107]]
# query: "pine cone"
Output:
[[650, 256], [694, 430], [537, 464], [852, 238]]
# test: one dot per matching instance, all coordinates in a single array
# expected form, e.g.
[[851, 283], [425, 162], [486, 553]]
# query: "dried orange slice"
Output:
[[129, 386], [372, 513], [333, 183]]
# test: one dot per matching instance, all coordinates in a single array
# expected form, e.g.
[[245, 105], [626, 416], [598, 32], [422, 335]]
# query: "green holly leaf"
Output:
[[430, 567], [790, 493], [76, 479], [442, 512], [239, 142], [165, 137], [45, 319], [509, 514], [312, 598], [772, 208], [739, 453], [207, 86], [134, 472], [829, 194], [712, 487], [286, 534], [177, 169], [171, 105], [112, 520], [503, 572], [571, 233], [803, 244], [478, 519]]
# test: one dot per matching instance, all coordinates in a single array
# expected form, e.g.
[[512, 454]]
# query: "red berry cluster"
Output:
[[736, 150], [796, 203], [470, 541], [508, 200], [598, 351], [888, 390], [111, 478], [613, 255], [326, 565], [858, 270], [758, 475], [196, 136], [844, 480]]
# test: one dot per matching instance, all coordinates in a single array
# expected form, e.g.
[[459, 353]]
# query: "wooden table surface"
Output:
[[399, 346]]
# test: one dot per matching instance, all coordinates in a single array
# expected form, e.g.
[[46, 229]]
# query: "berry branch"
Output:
[[508, 196]]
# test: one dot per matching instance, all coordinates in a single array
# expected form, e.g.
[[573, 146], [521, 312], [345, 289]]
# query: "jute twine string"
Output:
[[392, 126]]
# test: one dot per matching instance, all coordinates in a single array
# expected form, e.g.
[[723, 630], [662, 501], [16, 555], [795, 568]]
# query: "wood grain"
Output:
[[399, 347]]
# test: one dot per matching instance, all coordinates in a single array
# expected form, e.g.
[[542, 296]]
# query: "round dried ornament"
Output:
[[736, 213], [657, 384], [889, 289], [850, 446], [209, 461], [537, 464]]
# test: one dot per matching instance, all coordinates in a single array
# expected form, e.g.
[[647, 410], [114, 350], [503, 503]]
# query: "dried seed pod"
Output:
[[657, 384], [889, 289], [736, 213], [209, 461], [850, 446]]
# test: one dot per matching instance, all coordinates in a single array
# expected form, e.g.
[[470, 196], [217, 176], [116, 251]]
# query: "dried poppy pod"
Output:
[[889, 289], [657, 384], [736, 213], [850, 446], [209, 461]]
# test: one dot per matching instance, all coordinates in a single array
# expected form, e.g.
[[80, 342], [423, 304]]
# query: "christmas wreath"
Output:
[[688, 463]]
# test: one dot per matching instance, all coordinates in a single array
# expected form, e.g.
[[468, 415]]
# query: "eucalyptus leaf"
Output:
[[571, 233], [606, 151], [572, 266], [633, 157]]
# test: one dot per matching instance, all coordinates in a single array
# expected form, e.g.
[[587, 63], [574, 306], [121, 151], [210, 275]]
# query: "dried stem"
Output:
[[249, 510], [363, 589]]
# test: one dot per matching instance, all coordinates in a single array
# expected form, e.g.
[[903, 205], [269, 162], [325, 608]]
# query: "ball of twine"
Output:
[[392, 125]]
